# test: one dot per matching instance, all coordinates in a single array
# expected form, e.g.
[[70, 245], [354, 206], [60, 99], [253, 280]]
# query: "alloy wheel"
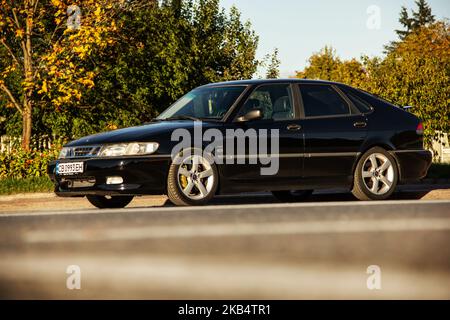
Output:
[[195, 177], [378, 174]]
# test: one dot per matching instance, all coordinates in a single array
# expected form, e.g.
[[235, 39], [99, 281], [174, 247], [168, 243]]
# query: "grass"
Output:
[[33, 184]]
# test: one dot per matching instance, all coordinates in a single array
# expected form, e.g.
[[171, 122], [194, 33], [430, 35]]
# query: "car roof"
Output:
[[265, 81]]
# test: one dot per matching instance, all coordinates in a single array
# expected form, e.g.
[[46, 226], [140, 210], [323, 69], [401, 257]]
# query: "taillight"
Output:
[[419, 129]]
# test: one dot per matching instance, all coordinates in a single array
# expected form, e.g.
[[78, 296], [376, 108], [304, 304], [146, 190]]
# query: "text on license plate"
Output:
[[69, 168]]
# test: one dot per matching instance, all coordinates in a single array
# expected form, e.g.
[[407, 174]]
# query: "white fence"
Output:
[[441, 148], [8, 143]]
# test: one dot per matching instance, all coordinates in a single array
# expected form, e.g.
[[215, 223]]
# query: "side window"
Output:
[[322, 100], [359, 103], [275, 101]]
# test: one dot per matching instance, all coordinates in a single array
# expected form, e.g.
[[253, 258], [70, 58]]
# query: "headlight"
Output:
[[128, 149], [64, 153]]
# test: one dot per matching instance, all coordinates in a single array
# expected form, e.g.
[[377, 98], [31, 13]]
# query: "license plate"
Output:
[[67, 168]]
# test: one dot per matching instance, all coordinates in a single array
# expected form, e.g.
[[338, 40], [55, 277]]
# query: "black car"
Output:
[[321, 134]]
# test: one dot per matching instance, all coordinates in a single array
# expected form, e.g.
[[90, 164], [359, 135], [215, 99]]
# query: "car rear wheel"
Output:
[[192, 180], [108, 202], [376, 175], [292, 195]]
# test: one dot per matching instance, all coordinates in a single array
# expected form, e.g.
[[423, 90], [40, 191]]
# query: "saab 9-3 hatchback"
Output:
[[288, 137]]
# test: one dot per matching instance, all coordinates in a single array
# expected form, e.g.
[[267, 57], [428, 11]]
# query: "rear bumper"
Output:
[[413, 164], [141, 175]]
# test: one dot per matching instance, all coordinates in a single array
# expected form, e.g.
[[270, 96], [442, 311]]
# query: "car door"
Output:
[[334, 132], [280, 113]]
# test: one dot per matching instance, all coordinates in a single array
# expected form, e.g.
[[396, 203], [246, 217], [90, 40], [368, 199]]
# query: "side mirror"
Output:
[[254, 114]]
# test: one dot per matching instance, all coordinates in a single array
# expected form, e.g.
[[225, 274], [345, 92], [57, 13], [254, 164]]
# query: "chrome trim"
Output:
[[253, 156], [409, 150], [334, 154], [294, 155]]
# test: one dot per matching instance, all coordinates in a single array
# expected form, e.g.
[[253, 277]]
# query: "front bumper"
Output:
[[413, 164], [141, 176]]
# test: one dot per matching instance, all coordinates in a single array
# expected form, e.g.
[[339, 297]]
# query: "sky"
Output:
[[299, 28]]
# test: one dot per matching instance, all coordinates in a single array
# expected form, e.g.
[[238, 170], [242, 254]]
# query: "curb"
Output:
[[30, 195]]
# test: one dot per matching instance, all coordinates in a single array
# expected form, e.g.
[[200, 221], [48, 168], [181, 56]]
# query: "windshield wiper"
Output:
[[182, 117], [153, 121], [185, 117]]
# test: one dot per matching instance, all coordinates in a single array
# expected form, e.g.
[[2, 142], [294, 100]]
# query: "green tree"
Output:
[[351, 72], [273, 69], [326, 65], [174, 47], [44, 52], [417, 73], [157, 52], [321, 65], [420, 18], [423, 16]]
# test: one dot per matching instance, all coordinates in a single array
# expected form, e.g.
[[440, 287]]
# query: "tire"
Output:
[[376, 175], [103, 202], [292, 196], [192, 180]]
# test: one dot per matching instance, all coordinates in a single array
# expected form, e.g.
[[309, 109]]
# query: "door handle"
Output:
[[360, 124], [294, 127]]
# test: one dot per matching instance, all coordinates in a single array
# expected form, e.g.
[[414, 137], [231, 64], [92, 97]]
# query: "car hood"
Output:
[[141, 133]]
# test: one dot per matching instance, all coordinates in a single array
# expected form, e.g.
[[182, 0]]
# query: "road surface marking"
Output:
[[239, 229], [215, 208]]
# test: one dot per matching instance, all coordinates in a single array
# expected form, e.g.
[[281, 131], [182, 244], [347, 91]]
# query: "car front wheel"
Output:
[[106, 202], [376, 175], [192, 180]]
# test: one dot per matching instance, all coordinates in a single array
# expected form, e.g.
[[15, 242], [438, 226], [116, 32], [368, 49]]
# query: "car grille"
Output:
[[82, 152]]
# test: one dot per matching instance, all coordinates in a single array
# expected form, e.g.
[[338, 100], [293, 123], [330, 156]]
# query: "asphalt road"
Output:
[[250, 251]]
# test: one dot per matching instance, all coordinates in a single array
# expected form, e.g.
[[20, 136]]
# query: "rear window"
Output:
[[359, 103], [372, 98]]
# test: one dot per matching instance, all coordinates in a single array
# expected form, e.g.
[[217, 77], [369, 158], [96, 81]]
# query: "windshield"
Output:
[[204, 103]]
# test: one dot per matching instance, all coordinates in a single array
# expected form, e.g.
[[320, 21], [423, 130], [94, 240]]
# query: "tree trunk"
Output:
[[26, 125], [29, 79]]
